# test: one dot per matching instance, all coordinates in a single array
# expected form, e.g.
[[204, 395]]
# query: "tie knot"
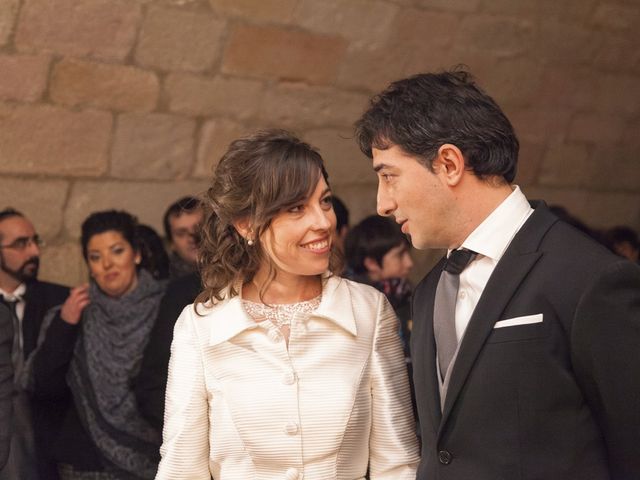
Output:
[[458, 261]]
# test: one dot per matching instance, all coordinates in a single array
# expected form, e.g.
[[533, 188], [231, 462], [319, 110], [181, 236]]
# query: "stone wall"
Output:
[[128, 103]]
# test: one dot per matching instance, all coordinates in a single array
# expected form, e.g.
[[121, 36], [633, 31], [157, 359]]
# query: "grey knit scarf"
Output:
[[107, 357]]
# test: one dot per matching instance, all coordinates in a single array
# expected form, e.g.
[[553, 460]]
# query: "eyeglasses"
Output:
[[21, 243]]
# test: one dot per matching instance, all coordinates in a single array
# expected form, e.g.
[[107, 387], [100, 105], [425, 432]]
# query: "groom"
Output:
[[526, 339]]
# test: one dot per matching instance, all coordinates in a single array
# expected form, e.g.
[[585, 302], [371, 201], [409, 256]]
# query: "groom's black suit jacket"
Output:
[[555, 400]]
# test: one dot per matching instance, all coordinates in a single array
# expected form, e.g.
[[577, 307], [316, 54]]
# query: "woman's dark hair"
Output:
[[154, 256], [425, 111], [373, 237], [258, 177], [118, 220]]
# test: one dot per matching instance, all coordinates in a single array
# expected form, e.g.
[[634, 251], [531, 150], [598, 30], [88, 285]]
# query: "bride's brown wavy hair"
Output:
[[258, 177]]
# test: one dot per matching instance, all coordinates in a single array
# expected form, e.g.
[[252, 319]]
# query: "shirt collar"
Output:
[[492, 237], [17, 294], [230, 319]]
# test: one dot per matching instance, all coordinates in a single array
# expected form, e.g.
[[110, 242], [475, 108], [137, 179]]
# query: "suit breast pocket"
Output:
[[517, 329]]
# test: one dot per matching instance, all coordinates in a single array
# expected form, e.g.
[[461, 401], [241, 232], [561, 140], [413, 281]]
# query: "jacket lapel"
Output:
[[425, 341], [521, 255]]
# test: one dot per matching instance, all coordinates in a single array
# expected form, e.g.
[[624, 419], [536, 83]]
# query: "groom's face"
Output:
[[416, 197]]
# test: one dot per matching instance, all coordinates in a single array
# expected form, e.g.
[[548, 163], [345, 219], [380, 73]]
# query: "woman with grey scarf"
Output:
[[92, 346]]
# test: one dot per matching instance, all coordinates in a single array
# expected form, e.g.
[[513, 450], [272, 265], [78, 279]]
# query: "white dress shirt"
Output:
[[490, 239], [240, 405]]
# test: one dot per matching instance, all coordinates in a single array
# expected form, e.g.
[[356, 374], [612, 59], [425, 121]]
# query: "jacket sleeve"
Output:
[[6, 382], [185, 447], [48, 364], [606, 341], [393, 444]]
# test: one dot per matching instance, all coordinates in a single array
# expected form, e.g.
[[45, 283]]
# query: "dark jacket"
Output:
[[151, 382], [554, 400], [47, 414], [6, 382]]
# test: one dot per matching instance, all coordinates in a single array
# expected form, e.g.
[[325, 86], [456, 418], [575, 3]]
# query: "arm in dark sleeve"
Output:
[[606, 346], [151, 382], [52, 357], [6, 382]]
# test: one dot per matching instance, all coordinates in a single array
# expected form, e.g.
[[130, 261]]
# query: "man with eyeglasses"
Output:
[[34, 422]]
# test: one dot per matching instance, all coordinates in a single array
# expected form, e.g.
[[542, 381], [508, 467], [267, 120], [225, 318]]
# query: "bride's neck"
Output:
[[283, 288]]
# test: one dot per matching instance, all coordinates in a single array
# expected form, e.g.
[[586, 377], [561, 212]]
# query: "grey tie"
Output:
[[17, 357], [444, 325]]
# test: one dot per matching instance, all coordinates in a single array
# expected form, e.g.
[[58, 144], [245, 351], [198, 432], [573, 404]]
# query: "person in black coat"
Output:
[[151, 382], [6, 382], [525, 336], [39, 420]]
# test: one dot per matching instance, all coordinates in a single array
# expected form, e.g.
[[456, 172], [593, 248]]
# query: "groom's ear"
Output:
[[449, 164]]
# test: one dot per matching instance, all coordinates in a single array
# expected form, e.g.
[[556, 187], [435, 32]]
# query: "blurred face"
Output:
[[185, 233], [299, 239], [415, 196], [112, 263], [396, 263], [20, 253]]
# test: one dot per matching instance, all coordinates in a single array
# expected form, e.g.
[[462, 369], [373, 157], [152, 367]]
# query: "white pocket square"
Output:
[[526, 320]]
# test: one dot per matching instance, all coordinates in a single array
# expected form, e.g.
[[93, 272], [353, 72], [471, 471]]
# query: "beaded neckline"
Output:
[[280, 315]]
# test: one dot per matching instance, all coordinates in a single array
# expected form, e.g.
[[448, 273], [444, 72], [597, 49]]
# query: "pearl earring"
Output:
[[250, 242]]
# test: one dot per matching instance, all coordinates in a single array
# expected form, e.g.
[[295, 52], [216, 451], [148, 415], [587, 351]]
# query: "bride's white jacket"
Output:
[[241, 405]]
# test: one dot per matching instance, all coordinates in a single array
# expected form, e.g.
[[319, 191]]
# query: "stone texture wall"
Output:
[[128, 103]]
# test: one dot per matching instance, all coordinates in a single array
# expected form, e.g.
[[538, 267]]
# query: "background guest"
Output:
[[154, 256], [182, 222], [6, 382], [93, 346], [623, 241], [35, 422]]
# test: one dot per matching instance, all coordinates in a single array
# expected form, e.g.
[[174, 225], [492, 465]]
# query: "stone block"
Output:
[[103, 29], [8, 12], [41, 200], [296, 106], [24, 77], [344, 161], [617, 168], [45, 140], [544, 9], [152, 146], [118, 87], [566, 165], [372, 69], [173, 39], [513, 81], [616, 16], [284, 54], [617, 94], [617, 53], [596, 128], [565, 43], [540, 125], [571, 87], [193, 95], [215, 137], [62, 263], [458, 6], [278, 11], [366, 22], [500, 36], [529, 162], [146, 200]]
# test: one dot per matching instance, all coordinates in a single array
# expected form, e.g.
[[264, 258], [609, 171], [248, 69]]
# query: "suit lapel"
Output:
[[426, 342], [521, 255]]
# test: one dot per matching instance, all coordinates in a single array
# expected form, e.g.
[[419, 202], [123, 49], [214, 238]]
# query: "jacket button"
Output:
[[291, 428], [445, 457]]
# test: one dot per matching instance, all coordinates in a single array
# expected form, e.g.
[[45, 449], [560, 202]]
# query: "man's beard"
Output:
[[27, 271]]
